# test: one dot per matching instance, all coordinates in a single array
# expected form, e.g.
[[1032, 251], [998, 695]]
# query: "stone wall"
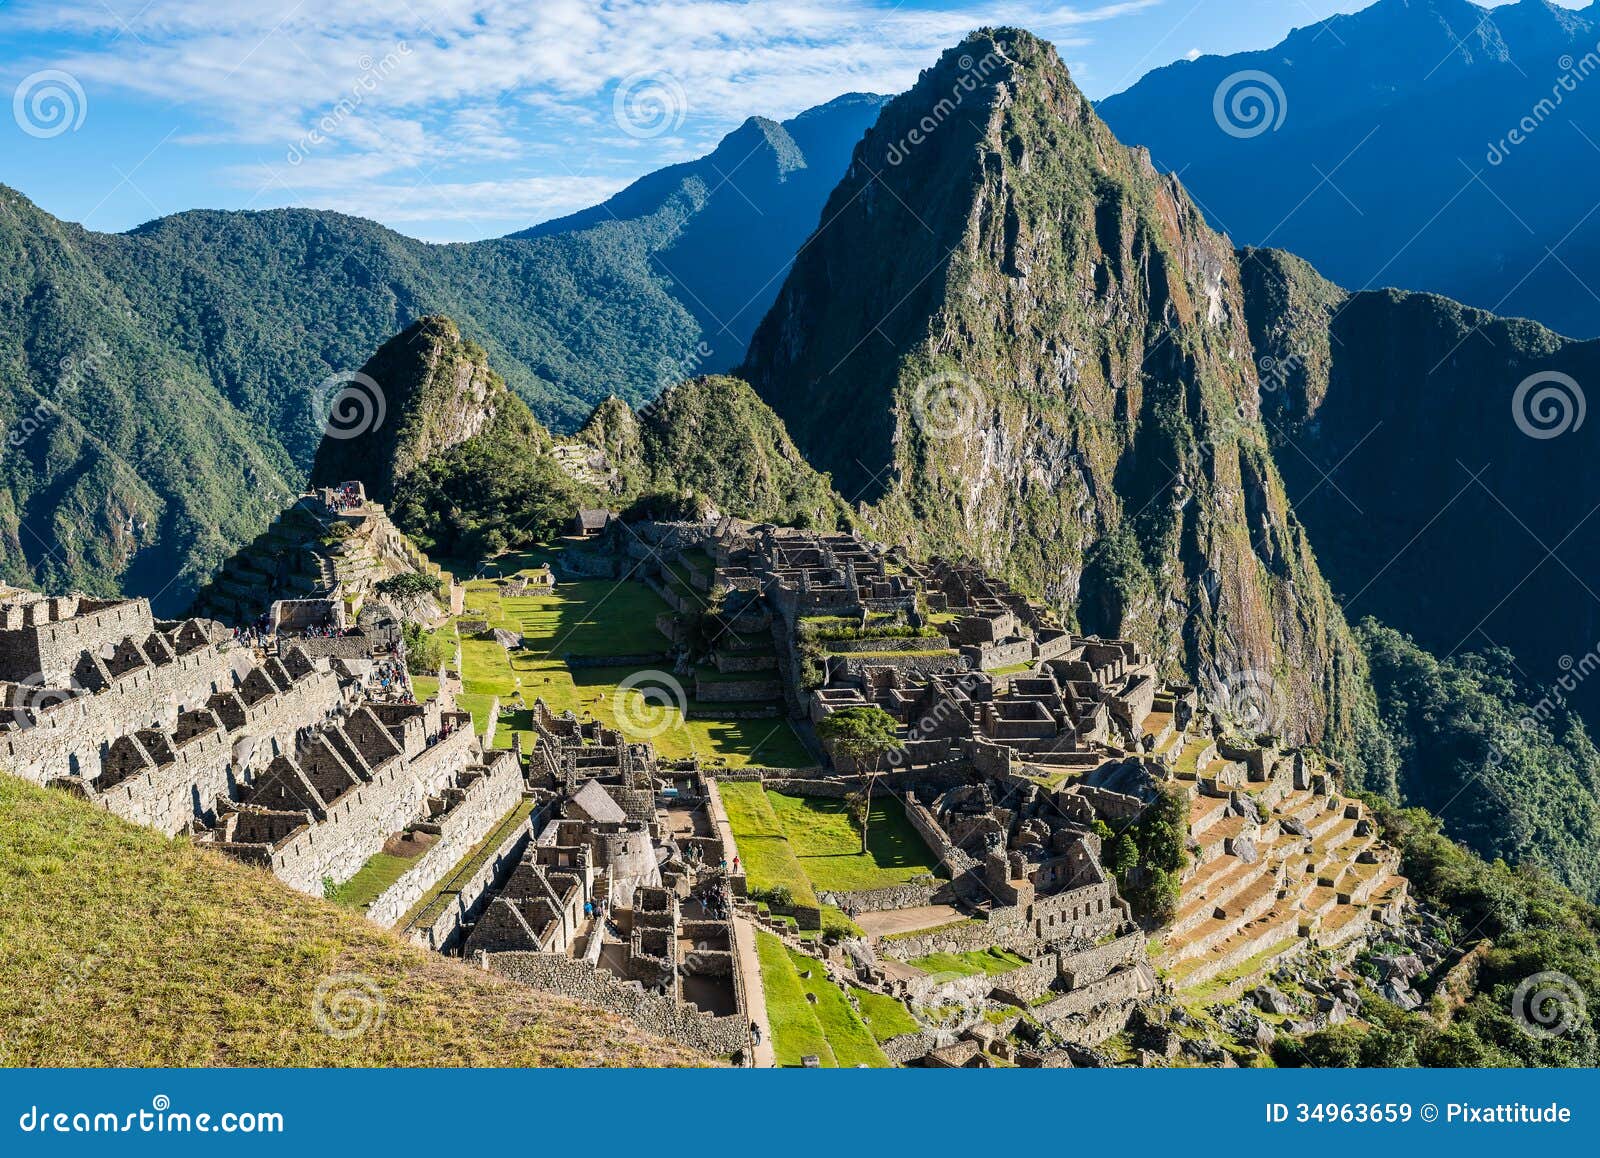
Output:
[[735, 661], [845, 668], [207, 767], [68, 737], [641, 660], [907, 896], [1090, 965], [50, 634], [1023, 985], [471, 894], [737, 691], [1116, 987], [675, 1020], [961, 937], [952, 859], [488, 799], [368, 815], [989, 657], [910, 1046]]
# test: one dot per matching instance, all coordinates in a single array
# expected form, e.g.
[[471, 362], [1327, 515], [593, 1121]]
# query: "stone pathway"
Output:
[[755, 994]]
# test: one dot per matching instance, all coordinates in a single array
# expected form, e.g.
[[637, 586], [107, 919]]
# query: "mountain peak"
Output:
[[758, 135], [426, 390], [1021, 345]]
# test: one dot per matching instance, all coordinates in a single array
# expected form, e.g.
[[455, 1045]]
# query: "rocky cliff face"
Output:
[[1445, 467], [1015, 340], [425, 391]]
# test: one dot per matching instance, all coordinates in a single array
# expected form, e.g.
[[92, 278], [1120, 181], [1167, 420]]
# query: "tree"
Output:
[[1121, 854], [866, 735]]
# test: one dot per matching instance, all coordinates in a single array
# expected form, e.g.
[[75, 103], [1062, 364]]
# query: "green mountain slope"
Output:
[[1442, 466], [712, 437], [426, 391], [213, 332], [122, 468], [1508, 776], [1020, 342]]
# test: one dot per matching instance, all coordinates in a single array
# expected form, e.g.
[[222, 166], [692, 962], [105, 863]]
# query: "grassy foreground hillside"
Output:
[[119, 946]]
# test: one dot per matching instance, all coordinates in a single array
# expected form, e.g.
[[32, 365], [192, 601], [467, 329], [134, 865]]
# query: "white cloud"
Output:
[[440, 93]]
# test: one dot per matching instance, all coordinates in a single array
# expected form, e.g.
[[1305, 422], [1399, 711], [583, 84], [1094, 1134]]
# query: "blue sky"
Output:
[[460, 119]]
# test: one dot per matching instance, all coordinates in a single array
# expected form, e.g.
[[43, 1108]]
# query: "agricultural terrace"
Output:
[[811, 1016]]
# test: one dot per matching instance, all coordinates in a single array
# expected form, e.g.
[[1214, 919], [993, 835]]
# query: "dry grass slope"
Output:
[[119, 946]]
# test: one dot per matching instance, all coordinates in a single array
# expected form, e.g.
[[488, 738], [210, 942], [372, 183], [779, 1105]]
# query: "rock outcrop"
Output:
[[425, 391]]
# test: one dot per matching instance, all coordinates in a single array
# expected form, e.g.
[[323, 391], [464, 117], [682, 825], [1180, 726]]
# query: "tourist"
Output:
[[755, 1032]]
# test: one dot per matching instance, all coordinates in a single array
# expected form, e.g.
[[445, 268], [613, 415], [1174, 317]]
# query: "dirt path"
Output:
[[906, 920]]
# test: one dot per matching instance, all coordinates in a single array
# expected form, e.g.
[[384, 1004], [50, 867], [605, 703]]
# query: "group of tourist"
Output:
[[255, 635], [327, 629], [713, 900], [390, 682], [344, 497]]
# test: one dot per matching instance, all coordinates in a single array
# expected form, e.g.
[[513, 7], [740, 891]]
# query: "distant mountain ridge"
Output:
[[1396, 161], [762, 189], [200, 342]]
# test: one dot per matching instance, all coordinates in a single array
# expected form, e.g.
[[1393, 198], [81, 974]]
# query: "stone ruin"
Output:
[[623, 898], [268, 754], [1021, 741]]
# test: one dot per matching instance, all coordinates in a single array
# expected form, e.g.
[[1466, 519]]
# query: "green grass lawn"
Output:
[[831, 1029], [600, 618], [828, 845], [478, 705], [884, 1015], [764, 850], [1012, 669], [970, 964], [424, 687], [807, 844]]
